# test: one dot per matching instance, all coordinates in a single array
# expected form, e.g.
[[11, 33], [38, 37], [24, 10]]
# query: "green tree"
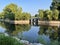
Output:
[[26, 16], [55, 5], [55, 14], [18, 15], [13, 12], [10, 11], [2, 15], [41, 14], [48, 14], [36, 15]]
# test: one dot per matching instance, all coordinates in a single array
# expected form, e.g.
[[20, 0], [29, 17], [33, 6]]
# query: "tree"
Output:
[[10, 11], [2, 15], [26, 16], [55, 14], [48, 14], [53, 5], [36, 15], [56, 6], [41, 14], [18, 15]]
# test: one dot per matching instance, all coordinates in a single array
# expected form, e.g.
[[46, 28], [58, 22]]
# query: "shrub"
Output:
[[6, 40]]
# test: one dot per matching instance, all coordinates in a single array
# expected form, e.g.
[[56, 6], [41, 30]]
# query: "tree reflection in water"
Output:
[[47, 35], [13, 29], [53, 32]]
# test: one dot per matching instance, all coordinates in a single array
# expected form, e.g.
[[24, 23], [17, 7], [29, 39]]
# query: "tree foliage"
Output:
[[41, 14], [13, 12], [53, 14], [26, 16], [2, 15], [10, 11], [48, 14], [55, 5]]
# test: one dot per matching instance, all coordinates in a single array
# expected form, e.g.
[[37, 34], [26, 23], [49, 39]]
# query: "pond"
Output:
[[48, 35]]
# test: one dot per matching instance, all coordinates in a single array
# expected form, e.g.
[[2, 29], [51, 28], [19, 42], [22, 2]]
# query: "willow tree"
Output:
[[41, 14], [55, 14], [48, 14]]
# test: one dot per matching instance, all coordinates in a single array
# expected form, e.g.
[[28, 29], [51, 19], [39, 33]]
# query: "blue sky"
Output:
[[30, 6]]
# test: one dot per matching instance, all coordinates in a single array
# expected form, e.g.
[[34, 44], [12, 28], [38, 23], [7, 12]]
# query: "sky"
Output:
[[30, 6]]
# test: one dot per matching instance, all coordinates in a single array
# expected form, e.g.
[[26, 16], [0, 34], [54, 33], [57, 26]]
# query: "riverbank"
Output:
[[19, 22], [50, 23], [23, 42], [16, 21]]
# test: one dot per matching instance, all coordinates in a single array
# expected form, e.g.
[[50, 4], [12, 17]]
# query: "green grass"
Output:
[[6, 40]]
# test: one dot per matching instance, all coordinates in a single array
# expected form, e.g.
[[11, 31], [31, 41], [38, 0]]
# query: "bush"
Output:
[[6, 40]]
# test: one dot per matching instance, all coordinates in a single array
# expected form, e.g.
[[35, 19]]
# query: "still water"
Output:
[[48, 35]]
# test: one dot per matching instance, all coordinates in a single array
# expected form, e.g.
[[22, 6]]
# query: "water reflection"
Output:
[[53, 33], [2, 27], [15, 29], [25, 31], [47, 35]]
